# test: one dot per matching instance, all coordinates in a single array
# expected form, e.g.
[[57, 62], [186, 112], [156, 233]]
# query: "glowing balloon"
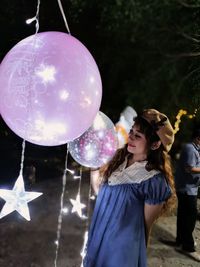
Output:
[[124, 125], [50, 88], [97, 145]]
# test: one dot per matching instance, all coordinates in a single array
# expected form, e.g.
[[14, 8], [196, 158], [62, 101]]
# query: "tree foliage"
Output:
[[148, 51]]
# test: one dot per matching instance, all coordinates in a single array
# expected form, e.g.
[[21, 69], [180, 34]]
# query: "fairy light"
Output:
[[84, 248], [63, 210], [70, 171], [92, 197], [29, 21], [181, 113], [85, 239], [76, 177]]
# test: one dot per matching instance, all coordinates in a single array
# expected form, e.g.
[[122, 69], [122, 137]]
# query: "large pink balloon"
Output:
[[50, 88]]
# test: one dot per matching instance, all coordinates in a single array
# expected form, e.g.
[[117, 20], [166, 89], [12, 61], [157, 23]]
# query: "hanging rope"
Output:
[[63, 15]]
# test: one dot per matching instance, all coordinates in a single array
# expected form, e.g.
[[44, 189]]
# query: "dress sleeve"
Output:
[[156, 190]]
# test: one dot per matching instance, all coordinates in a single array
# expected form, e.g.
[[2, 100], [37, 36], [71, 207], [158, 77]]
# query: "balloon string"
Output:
[[22, 158], [61, 208], [37, 17], [63, 15]]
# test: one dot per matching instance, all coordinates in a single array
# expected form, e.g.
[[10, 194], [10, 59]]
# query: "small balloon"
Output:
[[124, 125], [97, 145], [50, 88]]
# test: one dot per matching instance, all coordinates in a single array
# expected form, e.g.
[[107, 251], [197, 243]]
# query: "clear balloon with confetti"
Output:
[[97, 145]]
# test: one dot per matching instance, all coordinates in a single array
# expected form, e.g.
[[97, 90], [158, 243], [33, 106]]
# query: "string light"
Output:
[[70, 171], [63, 210], [76, 177], [181, 113], [84, 248], [29, 21], [77, 206]]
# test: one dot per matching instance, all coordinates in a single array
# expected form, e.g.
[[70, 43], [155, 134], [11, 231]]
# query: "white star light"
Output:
[[46, 73], [77, 206], [17, 199]]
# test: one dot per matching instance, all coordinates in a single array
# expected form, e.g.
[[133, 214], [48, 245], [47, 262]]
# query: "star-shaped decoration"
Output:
[[77, 206], [17, 199]]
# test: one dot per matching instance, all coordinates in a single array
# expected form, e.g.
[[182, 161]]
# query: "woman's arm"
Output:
[[151, 213], [95, 180]]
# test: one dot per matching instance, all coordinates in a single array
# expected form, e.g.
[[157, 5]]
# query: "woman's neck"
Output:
[[136, 158]]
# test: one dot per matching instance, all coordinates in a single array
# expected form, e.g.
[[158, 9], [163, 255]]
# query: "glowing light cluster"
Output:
[[178, 120], [181, 113]]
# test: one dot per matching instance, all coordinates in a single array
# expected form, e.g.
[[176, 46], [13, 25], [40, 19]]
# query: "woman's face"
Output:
[[137, 142]]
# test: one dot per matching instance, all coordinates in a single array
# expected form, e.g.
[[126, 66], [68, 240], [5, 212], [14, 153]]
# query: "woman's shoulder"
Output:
[[157, 182], [156, 190], [157, 176]]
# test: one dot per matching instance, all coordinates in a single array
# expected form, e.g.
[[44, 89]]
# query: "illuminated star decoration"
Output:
[[77, 206], [17, 199]]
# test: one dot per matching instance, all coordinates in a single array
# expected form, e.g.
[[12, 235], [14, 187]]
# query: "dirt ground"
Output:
[[32, 244]]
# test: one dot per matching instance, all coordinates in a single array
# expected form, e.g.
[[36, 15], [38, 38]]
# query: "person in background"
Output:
[[137, 188], [187, 180]]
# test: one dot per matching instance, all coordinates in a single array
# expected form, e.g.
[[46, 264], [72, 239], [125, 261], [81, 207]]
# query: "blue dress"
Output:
[[117, 232]]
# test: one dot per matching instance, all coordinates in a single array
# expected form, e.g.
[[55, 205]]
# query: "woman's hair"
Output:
[[156, 159]]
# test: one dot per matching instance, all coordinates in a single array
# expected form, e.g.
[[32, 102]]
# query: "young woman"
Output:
[[137, 187]]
